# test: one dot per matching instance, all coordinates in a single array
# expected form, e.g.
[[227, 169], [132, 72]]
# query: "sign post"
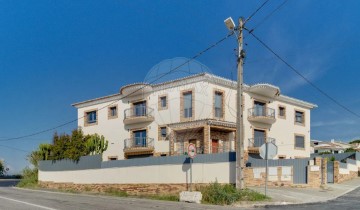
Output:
[[192, 154], [267, 151], [190, 196]]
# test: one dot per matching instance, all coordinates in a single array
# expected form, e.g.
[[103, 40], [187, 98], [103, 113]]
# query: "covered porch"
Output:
[[209, 136]]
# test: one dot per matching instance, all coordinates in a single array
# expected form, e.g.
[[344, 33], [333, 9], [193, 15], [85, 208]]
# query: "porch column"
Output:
[[206, 139], [232, 141], [172, 143]]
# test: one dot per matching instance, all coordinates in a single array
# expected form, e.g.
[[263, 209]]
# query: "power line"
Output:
[[270, 14], [302, 76], [169, 72], [13, 148], [257, 10]]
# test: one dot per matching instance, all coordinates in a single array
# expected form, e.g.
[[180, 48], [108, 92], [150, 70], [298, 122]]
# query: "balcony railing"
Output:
[[262, 114], [138, 142], [257, 142], [181, 150], [138, 114]]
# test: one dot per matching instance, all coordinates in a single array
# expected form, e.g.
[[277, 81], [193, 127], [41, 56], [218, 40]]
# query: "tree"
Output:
[[60, 144], [2, 168], [355, 141], [42, 153], [72, 147], [96, 144], [350, 150]]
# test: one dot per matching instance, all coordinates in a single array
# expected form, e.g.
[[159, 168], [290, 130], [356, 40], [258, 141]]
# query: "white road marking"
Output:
[[26, 203]]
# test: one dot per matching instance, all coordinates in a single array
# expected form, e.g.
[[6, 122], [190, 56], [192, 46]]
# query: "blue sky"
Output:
[[55, 53]]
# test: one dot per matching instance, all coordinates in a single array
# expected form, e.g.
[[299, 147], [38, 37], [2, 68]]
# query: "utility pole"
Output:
[[240, 108], [239, 101]]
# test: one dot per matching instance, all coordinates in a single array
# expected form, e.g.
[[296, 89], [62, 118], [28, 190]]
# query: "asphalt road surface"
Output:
[[19, 199], [349, 201]]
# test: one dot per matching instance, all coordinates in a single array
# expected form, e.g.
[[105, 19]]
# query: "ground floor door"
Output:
[[259, 137], [330, 172], [214, 146]]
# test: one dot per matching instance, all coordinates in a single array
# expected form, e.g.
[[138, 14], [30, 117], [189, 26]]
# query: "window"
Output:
[[259, 109], [299, 117], [162, 133], [282, 112], [139, 109], [259, 137], [187, 104], [140, 138], [299, 142], [112, 157], [112, 113], [162, 102], [282, 156], [218, 104], [91, 117]]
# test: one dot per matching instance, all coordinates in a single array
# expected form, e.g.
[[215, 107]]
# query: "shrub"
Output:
[[29, 178], [331, 159], [227, 194]]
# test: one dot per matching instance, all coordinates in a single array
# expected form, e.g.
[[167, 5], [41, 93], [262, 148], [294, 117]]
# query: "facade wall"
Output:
[[114, 130]]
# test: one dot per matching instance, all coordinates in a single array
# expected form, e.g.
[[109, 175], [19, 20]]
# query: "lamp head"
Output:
[[229, 23]]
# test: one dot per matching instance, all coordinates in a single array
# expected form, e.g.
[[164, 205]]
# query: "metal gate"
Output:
[[330, 172], [299, 167]]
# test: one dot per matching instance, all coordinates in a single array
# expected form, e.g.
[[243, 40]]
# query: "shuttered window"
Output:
[[218, 104], [188, 104], [300, 142]]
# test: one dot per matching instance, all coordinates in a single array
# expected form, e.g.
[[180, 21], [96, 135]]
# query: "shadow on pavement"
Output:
[[8, 182]]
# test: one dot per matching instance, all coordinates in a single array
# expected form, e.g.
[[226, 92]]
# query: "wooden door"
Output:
[[214, 146]]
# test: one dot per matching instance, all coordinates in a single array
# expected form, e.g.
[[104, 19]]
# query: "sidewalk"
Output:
[[293, 195]]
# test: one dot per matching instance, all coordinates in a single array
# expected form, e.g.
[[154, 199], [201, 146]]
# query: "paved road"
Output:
[[19, 199], [349, 201]]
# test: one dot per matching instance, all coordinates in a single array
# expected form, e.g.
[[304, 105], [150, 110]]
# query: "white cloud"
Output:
[[333, 123]]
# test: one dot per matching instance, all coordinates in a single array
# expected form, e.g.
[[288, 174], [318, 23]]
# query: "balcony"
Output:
[[262, 115], [137, 89], [138, 114], [255, 143], [139, 145]]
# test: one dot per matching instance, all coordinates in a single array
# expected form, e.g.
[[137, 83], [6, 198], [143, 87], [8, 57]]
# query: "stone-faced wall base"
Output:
[[131, 189]]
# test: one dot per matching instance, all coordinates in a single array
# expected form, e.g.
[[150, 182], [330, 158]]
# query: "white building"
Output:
[[162, 119], [331, 146]]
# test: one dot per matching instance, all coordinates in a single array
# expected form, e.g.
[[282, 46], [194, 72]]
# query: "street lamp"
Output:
[[229, 23], [239, 101]]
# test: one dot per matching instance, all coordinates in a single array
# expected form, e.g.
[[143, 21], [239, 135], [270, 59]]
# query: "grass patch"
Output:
[[29, 178], [161, 197], [226, 194], [115, 192], [70, 191], [87, 188]]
